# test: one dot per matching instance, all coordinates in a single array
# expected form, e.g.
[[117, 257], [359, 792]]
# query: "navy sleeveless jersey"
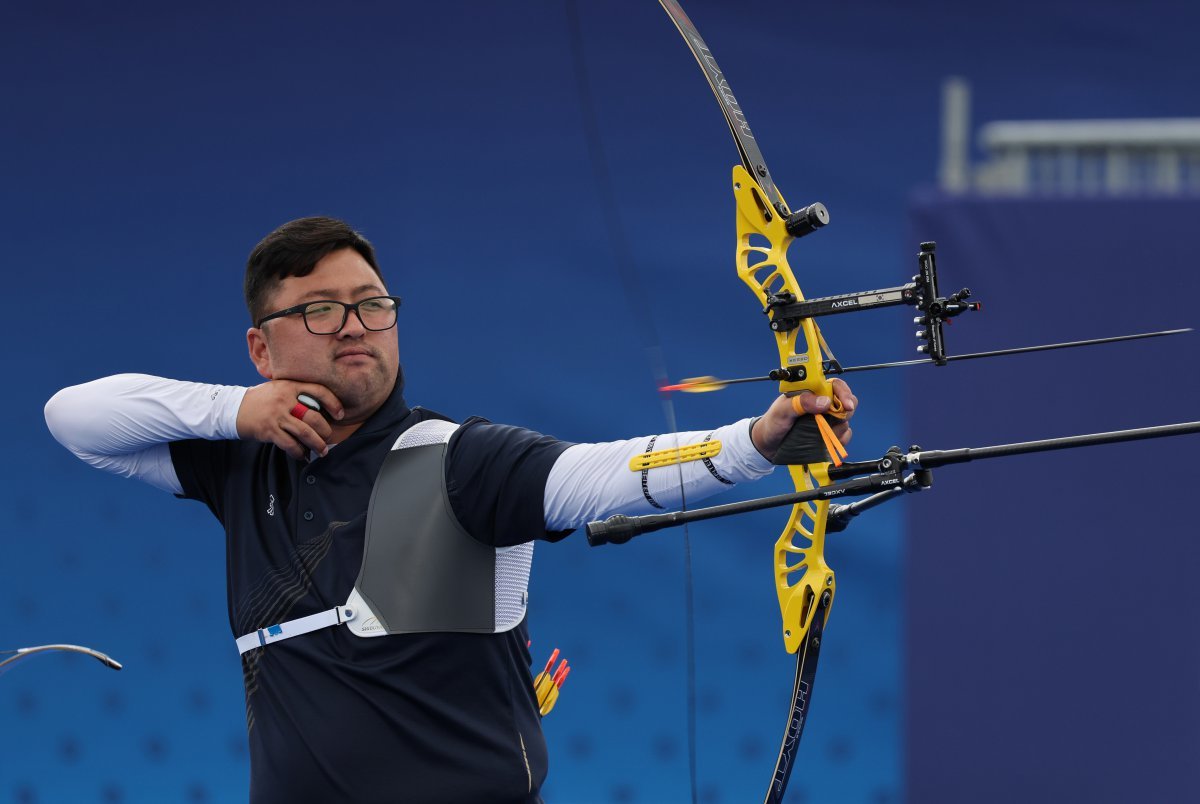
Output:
[[407, 718]]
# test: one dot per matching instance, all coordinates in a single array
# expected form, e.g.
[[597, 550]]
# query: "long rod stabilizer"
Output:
[[883, 479], [931, 459]]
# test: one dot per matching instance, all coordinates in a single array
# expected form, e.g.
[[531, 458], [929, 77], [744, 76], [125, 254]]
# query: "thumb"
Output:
[[808, 402]]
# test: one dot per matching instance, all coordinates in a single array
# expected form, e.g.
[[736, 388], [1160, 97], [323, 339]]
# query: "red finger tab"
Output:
[[299, 409]]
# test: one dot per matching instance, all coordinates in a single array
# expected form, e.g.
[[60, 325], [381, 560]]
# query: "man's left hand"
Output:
[[769, 431]]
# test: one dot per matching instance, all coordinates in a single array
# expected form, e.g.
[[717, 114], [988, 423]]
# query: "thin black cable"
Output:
[[638, 301]]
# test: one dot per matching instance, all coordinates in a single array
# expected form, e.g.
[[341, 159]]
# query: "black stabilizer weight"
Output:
[[807, 220], [839, 518], [619, 529], [614, 530], [608, 531]]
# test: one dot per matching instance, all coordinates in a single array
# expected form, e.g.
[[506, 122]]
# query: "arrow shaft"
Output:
[[1020, 350]]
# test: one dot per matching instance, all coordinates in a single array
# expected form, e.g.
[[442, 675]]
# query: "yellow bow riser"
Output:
[[763, 242], [801, 574]]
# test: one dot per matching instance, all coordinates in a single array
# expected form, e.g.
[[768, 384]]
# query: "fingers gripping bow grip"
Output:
[[811, 439]]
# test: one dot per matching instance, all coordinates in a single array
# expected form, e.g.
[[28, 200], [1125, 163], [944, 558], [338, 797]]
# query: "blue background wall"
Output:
[[147, 147], [1049, 600]]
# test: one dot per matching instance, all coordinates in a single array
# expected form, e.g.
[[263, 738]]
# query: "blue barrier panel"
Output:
[[1051, 619]]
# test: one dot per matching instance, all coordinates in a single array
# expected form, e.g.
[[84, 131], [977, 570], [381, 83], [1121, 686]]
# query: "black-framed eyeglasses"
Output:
[[327, 317]]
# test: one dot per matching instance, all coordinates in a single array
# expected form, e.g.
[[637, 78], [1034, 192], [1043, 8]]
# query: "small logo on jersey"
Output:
[[271, 505]]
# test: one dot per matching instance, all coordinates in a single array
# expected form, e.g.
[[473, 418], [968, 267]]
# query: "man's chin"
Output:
[[361, 393]]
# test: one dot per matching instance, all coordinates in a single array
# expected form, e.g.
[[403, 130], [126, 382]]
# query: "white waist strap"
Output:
[[303, 625]]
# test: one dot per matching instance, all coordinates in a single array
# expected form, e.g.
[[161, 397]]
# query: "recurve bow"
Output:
[[766, 227]]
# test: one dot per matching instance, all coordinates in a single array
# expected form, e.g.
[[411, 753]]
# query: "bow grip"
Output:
[[804, 443]]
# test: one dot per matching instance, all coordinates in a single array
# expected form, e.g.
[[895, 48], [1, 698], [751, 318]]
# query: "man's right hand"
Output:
[[266, 415]]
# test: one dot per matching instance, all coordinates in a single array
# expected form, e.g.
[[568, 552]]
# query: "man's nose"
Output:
[[353, 328]]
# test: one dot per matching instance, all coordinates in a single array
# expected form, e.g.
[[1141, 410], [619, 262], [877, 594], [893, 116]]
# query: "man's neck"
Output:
[[343, 431], [354, 419]]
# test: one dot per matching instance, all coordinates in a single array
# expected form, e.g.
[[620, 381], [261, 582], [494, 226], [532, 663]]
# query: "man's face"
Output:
[[358, 365]]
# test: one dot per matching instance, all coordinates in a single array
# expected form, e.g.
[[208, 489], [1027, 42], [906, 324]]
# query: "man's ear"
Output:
[[260, 353]]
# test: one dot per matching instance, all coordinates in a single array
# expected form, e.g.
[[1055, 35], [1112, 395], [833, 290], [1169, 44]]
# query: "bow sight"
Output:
[[786, 311]]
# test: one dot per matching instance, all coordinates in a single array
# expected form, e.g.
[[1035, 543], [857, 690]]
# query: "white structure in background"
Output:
[[1067, 157]]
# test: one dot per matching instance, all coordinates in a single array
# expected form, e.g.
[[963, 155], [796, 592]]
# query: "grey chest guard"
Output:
[[421, 571]]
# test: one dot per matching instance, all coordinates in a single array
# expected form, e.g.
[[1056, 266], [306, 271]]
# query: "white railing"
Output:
[[1067, 157]]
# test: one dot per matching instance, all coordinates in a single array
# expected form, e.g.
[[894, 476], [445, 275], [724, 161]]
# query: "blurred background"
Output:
[[1022, 632]]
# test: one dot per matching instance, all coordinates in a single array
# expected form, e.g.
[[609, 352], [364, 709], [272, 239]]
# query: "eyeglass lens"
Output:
[[328, 317]]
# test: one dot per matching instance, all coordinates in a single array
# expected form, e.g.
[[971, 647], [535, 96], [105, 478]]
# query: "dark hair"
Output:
[[294, 249]]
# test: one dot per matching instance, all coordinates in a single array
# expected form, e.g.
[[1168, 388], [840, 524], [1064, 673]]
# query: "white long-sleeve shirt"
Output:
[[124, 424]]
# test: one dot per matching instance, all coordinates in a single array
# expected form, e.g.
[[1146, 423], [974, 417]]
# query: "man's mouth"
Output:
[[352, 353]]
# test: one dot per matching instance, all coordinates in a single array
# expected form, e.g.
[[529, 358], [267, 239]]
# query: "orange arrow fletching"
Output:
[[696, 385]]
